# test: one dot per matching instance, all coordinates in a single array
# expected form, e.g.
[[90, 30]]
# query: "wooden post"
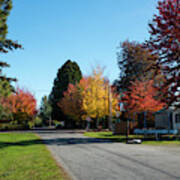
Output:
[[145, 122], [110, 108], [127, 130], [169, 123]]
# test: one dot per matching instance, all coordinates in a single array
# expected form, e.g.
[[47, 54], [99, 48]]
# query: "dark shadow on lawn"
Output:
[[45, 131], [55, 131], [55, 141]]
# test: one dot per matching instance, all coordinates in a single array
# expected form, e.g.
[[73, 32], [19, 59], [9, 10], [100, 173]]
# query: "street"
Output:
[[87, 158]]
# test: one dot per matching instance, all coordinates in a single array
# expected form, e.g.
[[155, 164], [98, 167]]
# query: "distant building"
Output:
[[168, 119]]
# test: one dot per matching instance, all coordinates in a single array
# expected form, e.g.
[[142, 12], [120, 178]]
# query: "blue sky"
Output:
[[85, 31]]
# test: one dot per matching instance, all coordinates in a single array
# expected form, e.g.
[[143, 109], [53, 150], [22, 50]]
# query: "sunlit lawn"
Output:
[[24, 157], [109, 135], [163, 143], [121, 138]]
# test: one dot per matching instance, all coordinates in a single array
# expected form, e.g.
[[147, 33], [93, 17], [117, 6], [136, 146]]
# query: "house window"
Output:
[[177, 118]]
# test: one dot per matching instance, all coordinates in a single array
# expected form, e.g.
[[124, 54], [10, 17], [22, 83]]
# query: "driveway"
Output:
[[91, 159]]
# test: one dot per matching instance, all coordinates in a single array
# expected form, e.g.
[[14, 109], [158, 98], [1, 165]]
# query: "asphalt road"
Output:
[[91, 159]]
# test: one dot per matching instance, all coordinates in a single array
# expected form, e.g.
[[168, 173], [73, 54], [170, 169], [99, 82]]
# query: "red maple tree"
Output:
[[143, 97], [22, 101], [165, 42], [71, 103]]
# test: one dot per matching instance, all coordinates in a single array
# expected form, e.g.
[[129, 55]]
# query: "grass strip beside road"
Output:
[[23, 156], [163, 143], [122, 138], [109, 135]]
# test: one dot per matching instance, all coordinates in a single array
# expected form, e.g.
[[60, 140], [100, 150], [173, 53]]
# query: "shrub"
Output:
[[21, 118], [58, 125], [38, 122], [31, 124], [8, 126]]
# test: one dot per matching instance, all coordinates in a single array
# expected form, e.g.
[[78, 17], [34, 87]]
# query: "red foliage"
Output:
[[84, 83], [22, 101], [71, 103], [165, 41], [142, 97]]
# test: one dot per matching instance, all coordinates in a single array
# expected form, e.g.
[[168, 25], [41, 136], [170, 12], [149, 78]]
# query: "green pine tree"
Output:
[[5, 43], [45, 111], [68, 73], [5, 90]]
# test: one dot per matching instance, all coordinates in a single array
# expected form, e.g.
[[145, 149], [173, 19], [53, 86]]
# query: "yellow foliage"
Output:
[[89, 98], [95, 96]]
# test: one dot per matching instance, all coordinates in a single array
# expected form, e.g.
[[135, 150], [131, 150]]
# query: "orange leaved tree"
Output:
[[71, 103], [22, 105], [143, 96], [89, 99]]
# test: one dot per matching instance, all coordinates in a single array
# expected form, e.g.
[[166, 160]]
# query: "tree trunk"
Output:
[[87, 126], [50, 121], [145, 123], [127, 129], [97, 123]]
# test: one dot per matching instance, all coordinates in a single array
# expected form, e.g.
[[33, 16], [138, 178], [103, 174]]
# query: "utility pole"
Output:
[[127, 129], [110, 108]]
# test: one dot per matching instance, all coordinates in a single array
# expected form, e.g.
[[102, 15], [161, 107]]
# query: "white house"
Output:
[[176, 119], [169, 119]]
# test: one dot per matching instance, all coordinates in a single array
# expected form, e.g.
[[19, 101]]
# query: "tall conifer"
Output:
[[69, 73], [5, 43]]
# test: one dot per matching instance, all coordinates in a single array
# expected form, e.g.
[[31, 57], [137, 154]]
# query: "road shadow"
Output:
[[45, 131], [55, 131], [54, 141]]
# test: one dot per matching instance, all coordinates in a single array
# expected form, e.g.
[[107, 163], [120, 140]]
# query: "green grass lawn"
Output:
[[163, 143], [122, 138], [23, 156], [109, 135]]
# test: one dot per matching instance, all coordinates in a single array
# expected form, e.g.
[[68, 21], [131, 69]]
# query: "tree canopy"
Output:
[[134, 61], [165, 42], [45, 109], [143, 97], [69, 73], [5, 91], [5, 43], [89, 98]]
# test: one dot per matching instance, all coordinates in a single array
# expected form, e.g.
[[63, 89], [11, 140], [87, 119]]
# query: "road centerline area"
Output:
[[89, 159]]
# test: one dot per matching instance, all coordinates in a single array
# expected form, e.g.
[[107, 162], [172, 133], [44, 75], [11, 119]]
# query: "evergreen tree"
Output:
[[5, 88], [5, 44], [68, 73], [5, 91], [89, 98], [45, 110]]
